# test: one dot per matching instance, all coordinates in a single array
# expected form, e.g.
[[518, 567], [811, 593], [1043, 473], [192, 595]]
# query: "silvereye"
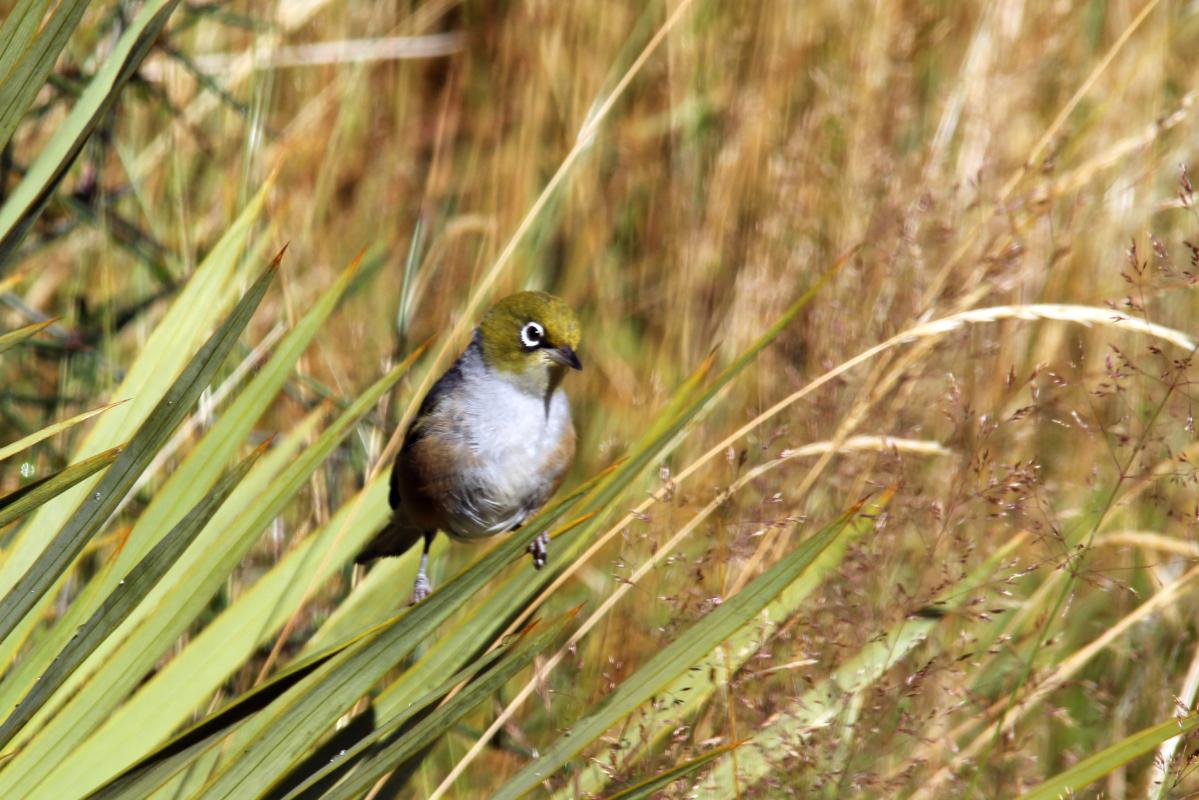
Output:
[[493, 438]]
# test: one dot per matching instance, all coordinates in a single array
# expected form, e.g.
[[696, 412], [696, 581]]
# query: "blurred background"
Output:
[[954, 157]]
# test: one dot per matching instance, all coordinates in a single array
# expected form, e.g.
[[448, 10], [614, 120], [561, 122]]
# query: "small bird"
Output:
[[493, 438]]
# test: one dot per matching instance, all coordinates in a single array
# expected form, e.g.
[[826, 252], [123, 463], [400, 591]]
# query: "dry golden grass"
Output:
[[1008, 170]]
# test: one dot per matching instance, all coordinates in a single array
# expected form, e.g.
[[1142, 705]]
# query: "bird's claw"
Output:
[[539, 549], [421, 588]]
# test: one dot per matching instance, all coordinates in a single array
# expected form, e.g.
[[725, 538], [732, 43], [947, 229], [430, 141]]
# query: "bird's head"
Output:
[[532, 338]]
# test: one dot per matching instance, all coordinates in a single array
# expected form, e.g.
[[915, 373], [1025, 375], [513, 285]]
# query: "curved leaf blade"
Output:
[[154, 432], [820, 705], [192, 584], [645, 789], [354, 755], [25, 204], [66, 754], [689, 647], [436, 724], [695, 686], [18, 30], [19, 503], [168, 698], [30, 66], [142, 778], [278, 739], [121, 602], [13, 338], [50, 430], [208, 295], [1089, 770]]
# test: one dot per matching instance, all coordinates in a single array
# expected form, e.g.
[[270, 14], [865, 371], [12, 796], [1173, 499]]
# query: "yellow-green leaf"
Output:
[[26, 202], [19, 503], [50, 430], [1089, 770], [676, 657]]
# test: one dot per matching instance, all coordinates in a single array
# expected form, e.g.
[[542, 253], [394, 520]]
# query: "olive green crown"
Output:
[[502, 324]]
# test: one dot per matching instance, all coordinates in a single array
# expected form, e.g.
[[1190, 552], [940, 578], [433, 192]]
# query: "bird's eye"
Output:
[[531, 335]]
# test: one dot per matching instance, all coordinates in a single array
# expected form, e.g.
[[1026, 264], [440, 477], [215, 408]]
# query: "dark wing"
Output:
[[446, 384]]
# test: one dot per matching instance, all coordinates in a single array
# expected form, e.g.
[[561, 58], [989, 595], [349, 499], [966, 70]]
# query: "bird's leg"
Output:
[[421, 588], [539, 549]]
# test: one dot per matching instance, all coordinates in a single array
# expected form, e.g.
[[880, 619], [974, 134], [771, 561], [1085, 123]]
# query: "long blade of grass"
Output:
[[1089, 770], [191, 584], [156, 768], [19, 503], [185, 487], [59, 755], [50, 430], [172, 694], [13, 338], [118, 605], [202, 466], [349, 758], [282, 736], [695, 686], [436, 724], [204, 300], [155, 431], [139, 780], [648, 788], [18, 30], [676, 657], [26, 65], [818, 706], [25, 204]]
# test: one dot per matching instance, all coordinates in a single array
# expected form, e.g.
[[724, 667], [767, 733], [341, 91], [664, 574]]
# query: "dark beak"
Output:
[[564, 356]]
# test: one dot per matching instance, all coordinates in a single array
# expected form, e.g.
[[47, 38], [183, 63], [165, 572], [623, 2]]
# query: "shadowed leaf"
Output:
[[25, 204], [13, 338], [131, 590], [50, 430], [134, 458], [26, 59], [676, 657], [27, 498], [1089, 770], [393, 753]]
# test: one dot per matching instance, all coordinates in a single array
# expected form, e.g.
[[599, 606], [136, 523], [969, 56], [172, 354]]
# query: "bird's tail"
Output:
[[393, 540]]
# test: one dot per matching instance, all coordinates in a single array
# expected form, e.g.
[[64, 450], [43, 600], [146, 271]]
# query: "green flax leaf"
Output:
[[191, 584], [19, 503], [431, 728], [123, 599], [26, 59], [25, 204], [119, 479], [13, 338], [1089, 770], [26, 442], [676, 657]]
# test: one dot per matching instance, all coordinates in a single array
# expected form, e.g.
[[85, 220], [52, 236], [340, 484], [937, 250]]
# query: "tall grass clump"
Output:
[[886, 480]]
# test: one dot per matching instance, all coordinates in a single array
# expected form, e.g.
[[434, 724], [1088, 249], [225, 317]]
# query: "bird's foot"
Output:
[[539, 549], [421, 588]]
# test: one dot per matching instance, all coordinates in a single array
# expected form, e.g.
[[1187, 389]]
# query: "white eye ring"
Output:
[[531, 335]]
